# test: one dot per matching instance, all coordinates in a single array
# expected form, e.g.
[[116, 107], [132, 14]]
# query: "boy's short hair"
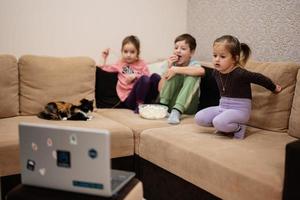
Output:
[[190, 40]]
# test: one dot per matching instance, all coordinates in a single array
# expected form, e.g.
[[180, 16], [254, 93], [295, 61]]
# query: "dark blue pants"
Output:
[[145, 90]]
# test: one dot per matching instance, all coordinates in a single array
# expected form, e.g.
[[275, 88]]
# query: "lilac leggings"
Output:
[[145, 90], [227, 116]]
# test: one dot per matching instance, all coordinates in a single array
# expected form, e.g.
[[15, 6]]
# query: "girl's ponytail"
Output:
[[244, 54], [239, 51]]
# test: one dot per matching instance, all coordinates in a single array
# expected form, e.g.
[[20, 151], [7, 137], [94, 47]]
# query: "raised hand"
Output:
[[105, 53]]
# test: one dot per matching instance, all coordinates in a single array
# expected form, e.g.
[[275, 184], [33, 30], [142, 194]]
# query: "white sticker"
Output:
[[42, 171], [54, 154], [34, 146], [73, 139]]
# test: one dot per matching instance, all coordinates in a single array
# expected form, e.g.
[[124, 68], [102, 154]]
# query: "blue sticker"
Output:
[[84, 184], [93, 153], [63, 158]]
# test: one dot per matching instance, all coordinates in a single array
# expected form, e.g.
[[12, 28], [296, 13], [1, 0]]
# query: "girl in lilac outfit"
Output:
[[234, 83]]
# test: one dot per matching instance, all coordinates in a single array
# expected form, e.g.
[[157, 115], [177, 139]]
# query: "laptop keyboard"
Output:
[[117, 180]]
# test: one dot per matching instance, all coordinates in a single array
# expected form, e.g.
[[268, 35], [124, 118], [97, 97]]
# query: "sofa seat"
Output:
[[138, 124], [122, 143], [252, 168]]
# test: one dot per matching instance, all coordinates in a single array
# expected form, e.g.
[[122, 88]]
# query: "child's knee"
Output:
[[155, 77], [144, 79], [220, 124], [201, 120]]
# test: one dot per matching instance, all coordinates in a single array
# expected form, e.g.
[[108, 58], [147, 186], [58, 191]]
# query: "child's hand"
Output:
[[172, 59], [277, 89], [130, 78], [105, 53], [170, 73]]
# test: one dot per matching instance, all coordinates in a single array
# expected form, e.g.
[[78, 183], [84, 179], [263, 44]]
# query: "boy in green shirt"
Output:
[[180, 84]]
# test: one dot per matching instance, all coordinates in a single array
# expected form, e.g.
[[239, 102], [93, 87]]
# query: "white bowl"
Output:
[[153, 111]]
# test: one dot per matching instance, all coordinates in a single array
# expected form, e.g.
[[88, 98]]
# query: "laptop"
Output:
[[69, 158]]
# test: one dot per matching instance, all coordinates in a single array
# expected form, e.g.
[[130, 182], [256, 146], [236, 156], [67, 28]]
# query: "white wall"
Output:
[[270, 27], [85, 27]]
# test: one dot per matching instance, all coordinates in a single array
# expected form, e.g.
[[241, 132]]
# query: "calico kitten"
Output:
[[67, 111]]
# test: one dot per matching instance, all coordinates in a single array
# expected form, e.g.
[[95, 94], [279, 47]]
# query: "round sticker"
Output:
[[93, 153]]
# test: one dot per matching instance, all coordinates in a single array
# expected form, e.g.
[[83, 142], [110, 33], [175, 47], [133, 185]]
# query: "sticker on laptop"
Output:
[[49, 142], [85, 184], [73, 139], [34, 146], [30, 165], [42, 171], [93, 153], [63, 158], [54, 154]]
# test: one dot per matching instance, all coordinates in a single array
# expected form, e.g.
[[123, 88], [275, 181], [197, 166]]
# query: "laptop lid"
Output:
[[67, 158]]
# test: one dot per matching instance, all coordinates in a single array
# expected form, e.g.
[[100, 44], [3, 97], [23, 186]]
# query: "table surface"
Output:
[[22, 192]]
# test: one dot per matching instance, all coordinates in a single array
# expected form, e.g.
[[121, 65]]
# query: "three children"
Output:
[[178, 88]]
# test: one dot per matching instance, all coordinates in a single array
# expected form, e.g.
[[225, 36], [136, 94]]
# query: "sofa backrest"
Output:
[[105, 91], [44, 79], [272, 111], [9, 84], [209, 92], [294, 123]]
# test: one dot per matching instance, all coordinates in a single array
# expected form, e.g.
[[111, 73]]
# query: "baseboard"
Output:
[[160, 184]]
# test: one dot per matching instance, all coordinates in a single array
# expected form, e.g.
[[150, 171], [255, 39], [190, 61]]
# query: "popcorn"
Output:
[[153, 111]]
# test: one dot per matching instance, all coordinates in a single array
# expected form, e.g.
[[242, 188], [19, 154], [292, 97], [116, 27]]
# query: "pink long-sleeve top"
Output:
[[139, 68]]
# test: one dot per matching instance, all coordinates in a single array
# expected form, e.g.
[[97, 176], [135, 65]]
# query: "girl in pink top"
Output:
[[134, 85]]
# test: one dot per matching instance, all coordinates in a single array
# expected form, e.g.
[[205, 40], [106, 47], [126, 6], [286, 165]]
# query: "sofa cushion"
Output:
[[136, 123], [252, 168], [9, 83], [105, 91], [122, 142], [294, 127], [271, 111], [44, 79]]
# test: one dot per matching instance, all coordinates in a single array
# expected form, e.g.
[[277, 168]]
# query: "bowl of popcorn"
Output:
[[153, 111]]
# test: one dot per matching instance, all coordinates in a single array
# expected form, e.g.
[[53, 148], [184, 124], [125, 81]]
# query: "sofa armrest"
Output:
[[292, 171]]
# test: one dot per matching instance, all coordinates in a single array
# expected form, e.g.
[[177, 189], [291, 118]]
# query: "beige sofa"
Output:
[[252, 168]]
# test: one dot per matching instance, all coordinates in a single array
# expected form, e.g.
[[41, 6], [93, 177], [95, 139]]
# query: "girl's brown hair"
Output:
[[133, 40], [239, 51]]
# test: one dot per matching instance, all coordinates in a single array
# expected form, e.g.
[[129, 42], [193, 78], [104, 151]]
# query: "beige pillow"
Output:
[[294, 124], [44, 79], [9, 84], [271, 111]]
